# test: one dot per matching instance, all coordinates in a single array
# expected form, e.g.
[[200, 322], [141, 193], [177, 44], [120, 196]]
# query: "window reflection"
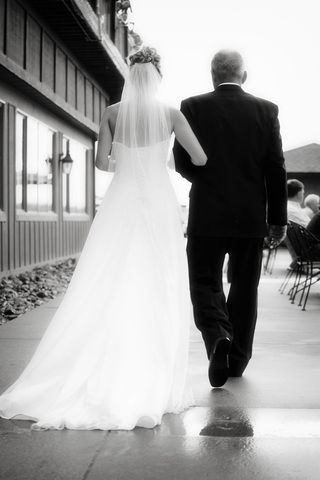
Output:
[[39, 160], [1, 154], [65, 178], [20, 148], [32, 164], [74, 184], [34, 155]]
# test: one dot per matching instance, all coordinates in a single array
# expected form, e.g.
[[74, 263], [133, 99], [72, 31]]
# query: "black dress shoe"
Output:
[[234, 373], [236, 369], [219, 362]]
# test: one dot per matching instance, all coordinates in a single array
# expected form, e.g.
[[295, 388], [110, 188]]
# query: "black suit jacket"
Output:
[[243, 185]]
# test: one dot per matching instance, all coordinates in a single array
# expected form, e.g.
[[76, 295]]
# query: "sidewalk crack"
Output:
[[86, 473]]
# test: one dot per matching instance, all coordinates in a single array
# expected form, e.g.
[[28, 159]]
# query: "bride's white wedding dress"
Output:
[[115, 353]]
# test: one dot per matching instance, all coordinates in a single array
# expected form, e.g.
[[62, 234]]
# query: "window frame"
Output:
[[3, 186], [34, 215], [68, 216], [24, 162]]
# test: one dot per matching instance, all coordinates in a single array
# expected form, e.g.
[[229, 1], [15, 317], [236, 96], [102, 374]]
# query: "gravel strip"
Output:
[[25, 291]]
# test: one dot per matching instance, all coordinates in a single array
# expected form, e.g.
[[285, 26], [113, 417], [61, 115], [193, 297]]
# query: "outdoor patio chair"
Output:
[[306, 270]]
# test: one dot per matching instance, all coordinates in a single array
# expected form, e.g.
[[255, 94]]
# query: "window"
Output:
[[21, 122], [34, 156], [1, 155], [107, 15], [74, 184]]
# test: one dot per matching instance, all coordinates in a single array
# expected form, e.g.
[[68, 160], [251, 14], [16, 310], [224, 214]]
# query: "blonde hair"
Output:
[[146, 55]]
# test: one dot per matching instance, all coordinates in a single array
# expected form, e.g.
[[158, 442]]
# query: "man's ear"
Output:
[[244, 77], [213, 78]]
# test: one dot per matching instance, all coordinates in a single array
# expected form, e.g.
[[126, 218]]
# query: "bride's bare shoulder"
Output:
[[111, 111], [110, 114], [176, 116]]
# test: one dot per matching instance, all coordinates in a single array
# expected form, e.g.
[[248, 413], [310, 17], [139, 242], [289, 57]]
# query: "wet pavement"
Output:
[[263, 426]]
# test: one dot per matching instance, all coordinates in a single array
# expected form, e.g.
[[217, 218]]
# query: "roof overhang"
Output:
[[78, 26]]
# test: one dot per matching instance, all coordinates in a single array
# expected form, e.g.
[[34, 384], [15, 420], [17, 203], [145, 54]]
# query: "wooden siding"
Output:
[[90, 192], [16, 32], [33, 51], [2, 24], [96, 106], [47, 71], [29, 239], [71, 85], [66, 82], [61, 76], [40, 242], [27, 42], [89, 99], [98, 51], [80, 92]]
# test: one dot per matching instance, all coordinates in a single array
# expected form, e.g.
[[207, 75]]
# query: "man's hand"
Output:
[[276, 234]]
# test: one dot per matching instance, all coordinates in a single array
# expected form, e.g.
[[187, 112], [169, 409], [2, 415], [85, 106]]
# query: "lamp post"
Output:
[[48, 161], [66, 169], [66, 162]]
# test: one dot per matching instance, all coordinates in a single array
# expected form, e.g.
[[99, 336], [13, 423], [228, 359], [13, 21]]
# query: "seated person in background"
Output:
[[314, 225], [311, 203], [295, 212], [295, 197]]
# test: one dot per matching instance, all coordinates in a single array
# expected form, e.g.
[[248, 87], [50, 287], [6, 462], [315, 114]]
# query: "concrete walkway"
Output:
[[263, 426]]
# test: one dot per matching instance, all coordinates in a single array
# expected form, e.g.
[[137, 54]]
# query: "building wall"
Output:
[[28, 238], [29, 49], [43, 84]]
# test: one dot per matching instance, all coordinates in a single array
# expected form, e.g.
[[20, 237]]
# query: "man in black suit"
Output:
[[238, 198]]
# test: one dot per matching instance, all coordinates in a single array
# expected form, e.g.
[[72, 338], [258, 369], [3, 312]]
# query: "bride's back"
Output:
[[137, 131]]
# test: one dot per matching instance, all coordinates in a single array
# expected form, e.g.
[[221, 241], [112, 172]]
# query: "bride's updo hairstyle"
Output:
[[146, 55]]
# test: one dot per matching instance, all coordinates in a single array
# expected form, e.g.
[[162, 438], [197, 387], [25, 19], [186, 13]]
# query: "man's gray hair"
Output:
[[311, 199], [227, 66]]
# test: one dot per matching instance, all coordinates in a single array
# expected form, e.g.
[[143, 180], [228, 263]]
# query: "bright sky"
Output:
[[279, 40]]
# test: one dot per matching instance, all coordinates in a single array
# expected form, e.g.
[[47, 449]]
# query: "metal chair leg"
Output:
[[266, 263], [304, 285], [296, 283], [286, 280], [308, 288], [273, 260]]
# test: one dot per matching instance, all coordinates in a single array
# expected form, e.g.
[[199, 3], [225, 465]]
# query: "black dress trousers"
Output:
[[214, 314]]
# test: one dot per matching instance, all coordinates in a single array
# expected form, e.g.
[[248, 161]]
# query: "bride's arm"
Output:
[[104, 142], [187, 138]]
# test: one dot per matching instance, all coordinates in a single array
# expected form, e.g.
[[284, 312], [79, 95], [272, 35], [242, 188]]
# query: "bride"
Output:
[[114, 355]]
